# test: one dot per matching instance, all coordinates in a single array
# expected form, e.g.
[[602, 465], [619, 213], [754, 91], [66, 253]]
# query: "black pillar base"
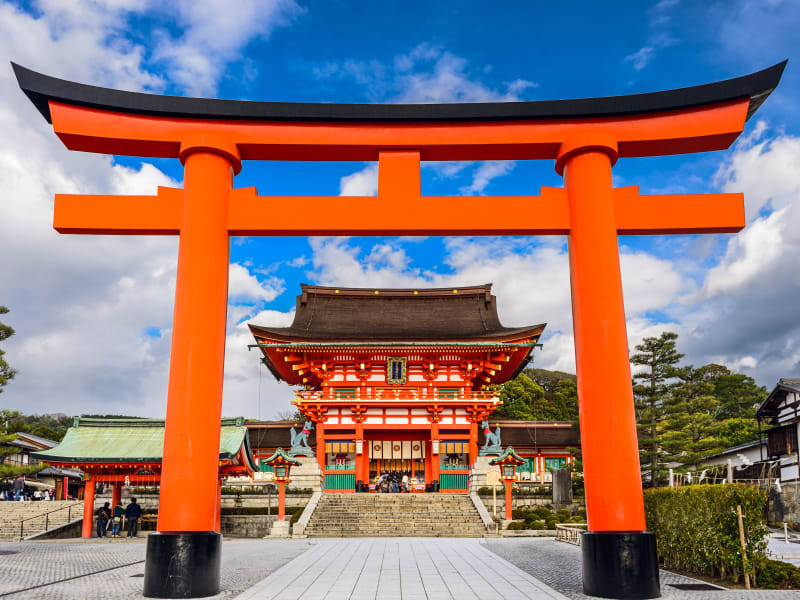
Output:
[[182, 565], [620, 564]]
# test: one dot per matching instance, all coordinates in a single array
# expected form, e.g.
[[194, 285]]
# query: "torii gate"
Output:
[[585, 138]]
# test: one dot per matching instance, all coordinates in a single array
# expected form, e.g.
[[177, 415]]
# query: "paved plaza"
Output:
[[352, 568]]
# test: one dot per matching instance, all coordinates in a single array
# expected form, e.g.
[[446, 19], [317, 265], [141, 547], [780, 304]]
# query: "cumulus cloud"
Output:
[[93, 313], [427, 74], [213, 34]]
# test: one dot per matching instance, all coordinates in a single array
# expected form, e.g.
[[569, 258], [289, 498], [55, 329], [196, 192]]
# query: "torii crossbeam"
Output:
[[584, 137]]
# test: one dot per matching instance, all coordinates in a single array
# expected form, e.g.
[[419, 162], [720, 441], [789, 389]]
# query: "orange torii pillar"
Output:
[[585, 137]]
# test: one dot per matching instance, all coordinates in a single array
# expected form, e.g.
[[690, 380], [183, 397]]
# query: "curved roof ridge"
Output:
[[41, 89]]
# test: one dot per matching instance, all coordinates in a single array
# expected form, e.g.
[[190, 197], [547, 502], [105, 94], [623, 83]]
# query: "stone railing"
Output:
[[570, 533]]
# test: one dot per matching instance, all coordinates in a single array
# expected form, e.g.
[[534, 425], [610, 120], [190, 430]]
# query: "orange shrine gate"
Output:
[[584, 137]]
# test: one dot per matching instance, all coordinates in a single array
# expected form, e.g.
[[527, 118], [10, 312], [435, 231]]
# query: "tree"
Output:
[[690, 431], [659, 357], [10, 471], [6, 372], [738, 396], [519, 396]]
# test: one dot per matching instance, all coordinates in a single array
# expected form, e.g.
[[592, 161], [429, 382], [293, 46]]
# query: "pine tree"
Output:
[[659, 357], [6, 372], [690, 432]]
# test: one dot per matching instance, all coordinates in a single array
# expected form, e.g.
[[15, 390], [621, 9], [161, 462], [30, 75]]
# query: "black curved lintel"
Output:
[[43, 88]]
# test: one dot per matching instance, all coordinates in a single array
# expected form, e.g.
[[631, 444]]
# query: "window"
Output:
[[555, 462]]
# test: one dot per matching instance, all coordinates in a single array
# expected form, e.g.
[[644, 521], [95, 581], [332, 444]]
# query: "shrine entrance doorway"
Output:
[[403, 454]]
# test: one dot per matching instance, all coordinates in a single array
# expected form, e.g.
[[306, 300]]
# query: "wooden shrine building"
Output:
[[396, 379], [129, 452]]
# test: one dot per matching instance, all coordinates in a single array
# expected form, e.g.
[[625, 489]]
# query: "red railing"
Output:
[[384, 395]]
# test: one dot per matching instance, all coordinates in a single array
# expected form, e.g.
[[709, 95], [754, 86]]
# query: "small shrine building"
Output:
[[129, 452], [396, 379]]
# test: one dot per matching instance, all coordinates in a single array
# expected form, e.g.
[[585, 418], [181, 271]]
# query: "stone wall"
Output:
[[782, 506], [247, 526], [150, 501], [527, 502]]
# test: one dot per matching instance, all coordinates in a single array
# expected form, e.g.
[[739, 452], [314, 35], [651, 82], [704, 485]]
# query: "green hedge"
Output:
[[697, 528]]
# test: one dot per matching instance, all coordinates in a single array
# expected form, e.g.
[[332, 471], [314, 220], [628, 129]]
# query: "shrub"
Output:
[[777, 575], [697, 528], [581, 513], [536, 525], [563, 515], [519, 513], [551, 523], [515, 526], [543, 513]]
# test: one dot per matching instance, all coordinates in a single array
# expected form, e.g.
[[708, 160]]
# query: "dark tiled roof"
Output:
[[370, 314], [769, 407]]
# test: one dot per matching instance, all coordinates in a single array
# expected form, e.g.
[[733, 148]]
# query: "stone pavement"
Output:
[[356, 568], [558, 565], [407, 568], [113, 569]]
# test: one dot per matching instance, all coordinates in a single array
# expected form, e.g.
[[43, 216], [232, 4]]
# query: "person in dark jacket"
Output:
[[132, 512], [103, 515], [116, 520]]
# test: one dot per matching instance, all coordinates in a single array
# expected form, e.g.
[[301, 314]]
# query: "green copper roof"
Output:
[[134, 441], [508, 453], [280, 454]]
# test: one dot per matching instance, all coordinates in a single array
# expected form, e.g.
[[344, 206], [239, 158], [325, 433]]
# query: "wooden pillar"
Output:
[[321, 445], [361, 459], [428, 462], [88, 509], [281, 500], [194, 400], [65, 489], [473, 442], [434, 457], [509, 483], [609, 443], [116, 493]]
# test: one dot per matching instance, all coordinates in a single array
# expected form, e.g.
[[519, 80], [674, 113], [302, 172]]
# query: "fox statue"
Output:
[[492, 443], [300, 440]]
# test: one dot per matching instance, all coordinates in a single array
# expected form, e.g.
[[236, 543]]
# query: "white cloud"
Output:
[[659, 35], [213, 34], [244, 286], [426, 74], [360, 183], [85, 307]]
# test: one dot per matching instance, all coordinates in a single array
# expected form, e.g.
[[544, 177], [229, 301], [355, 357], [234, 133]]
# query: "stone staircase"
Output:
[[34, 517], [395, 515]]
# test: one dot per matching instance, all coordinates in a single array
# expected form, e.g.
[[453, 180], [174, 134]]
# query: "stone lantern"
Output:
[[508, 463]]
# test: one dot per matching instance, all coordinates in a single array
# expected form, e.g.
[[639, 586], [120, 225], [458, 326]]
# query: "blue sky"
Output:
[[93, 314]]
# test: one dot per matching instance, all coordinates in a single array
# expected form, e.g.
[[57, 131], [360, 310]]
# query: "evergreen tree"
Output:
[[11, 471], [539, 395], [738, 395], [691, 429], [6, 372], [651, 389], [519, 396]]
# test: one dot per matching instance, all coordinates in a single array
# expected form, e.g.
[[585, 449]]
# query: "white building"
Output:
[[782, 409]]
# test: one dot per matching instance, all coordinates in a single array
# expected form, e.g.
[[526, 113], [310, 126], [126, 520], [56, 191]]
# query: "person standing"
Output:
[[116, 520], [18, 487], [132, 513], [404, 482], [103, 515]]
